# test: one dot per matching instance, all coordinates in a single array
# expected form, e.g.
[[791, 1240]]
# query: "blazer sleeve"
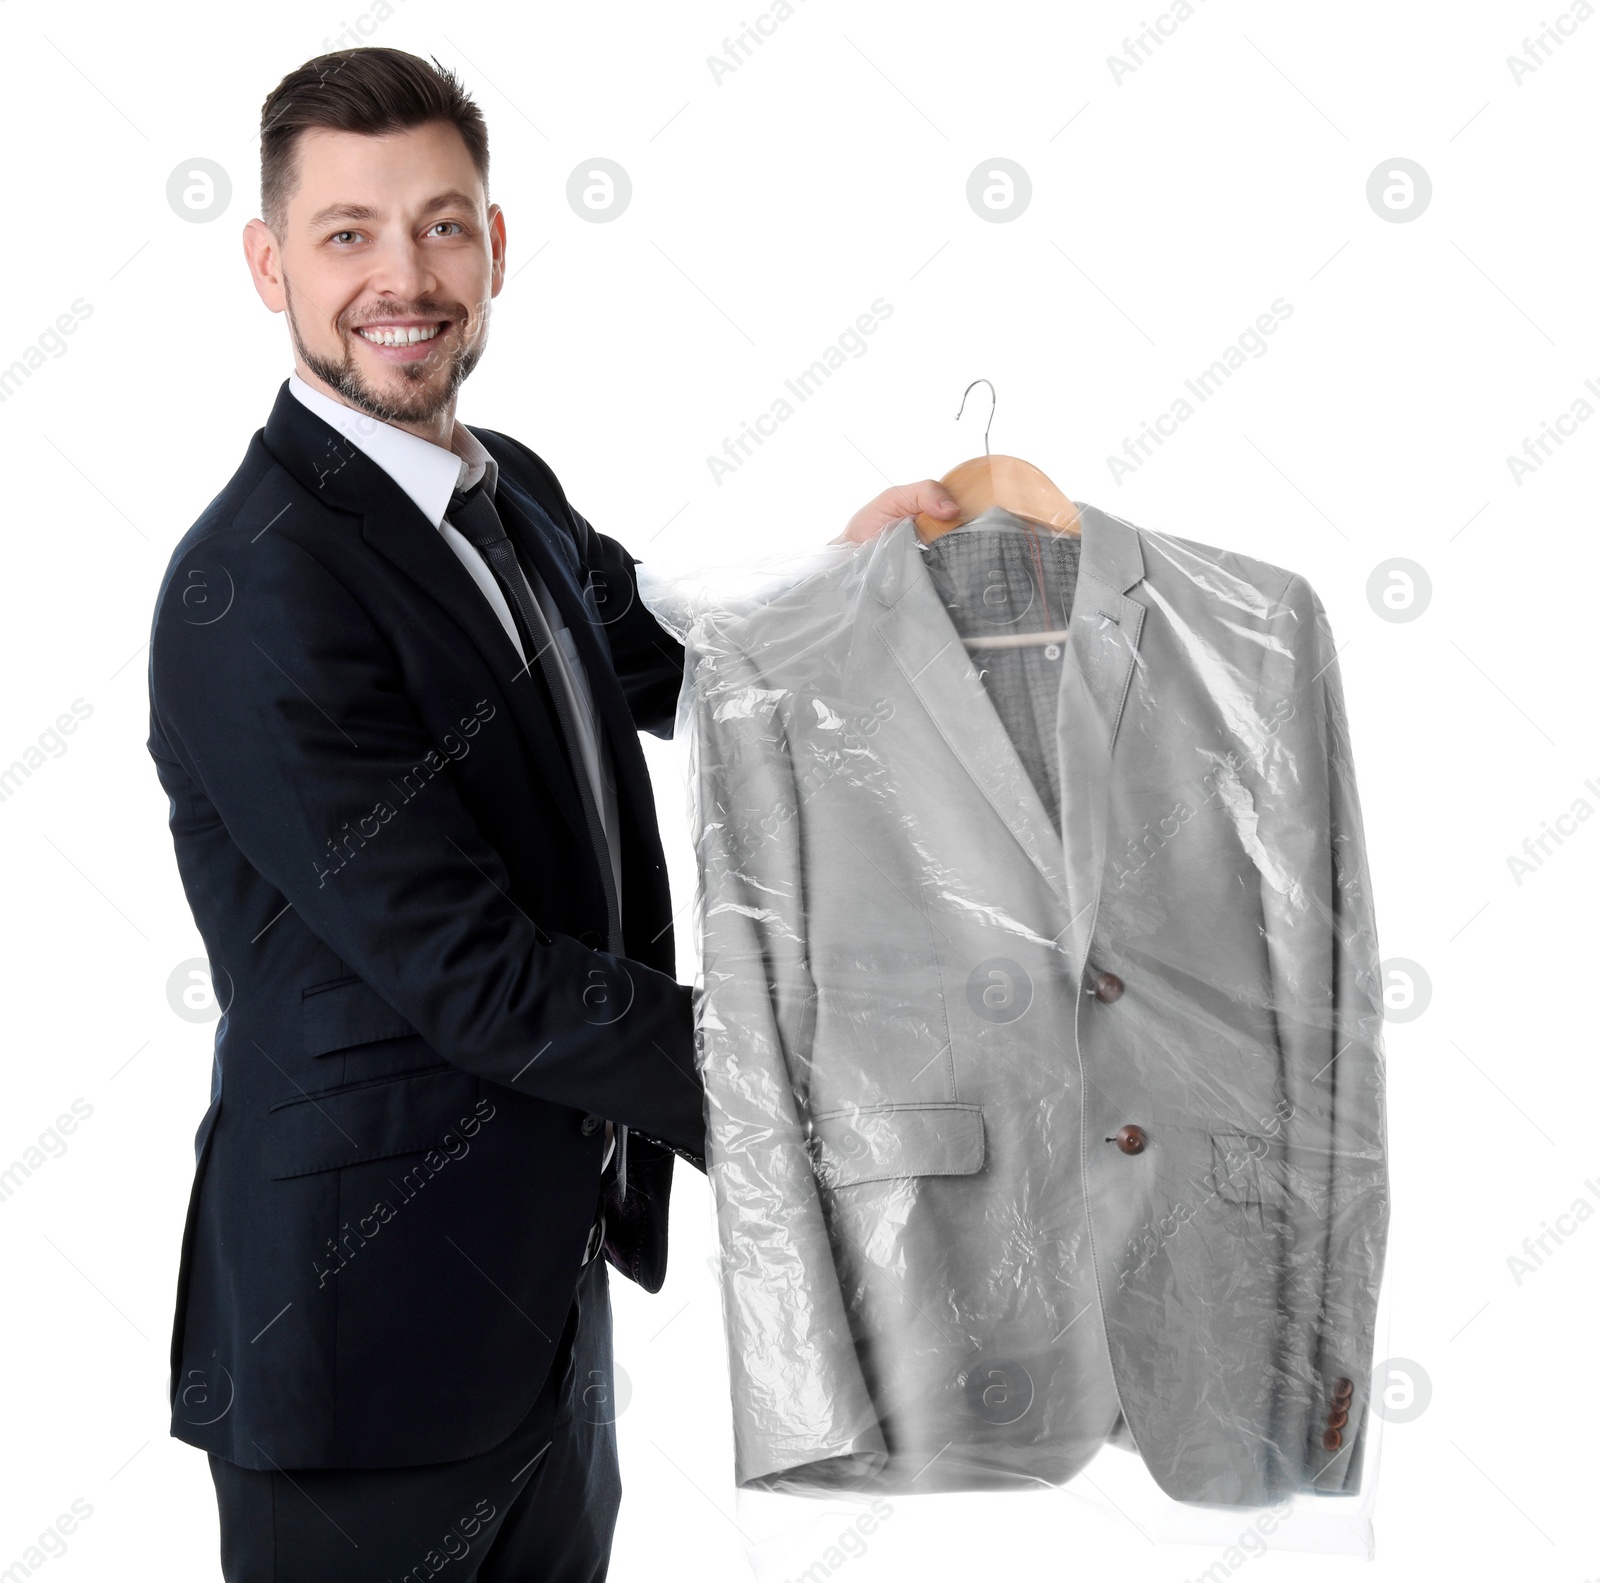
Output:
[[289, 712], [1327, 998], [799, 1396]]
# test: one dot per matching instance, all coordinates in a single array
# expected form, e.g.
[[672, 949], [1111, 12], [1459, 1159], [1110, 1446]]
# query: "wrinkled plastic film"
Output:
[[1039, 1019]]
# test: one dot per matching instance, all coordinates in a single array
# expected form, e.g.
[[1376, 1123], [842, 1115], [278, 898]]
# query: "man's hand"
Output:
[[904, 500]]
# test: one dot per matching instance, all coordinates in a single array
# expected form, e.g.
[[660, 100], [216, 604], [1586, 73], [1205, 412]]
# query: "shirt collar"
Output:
[[428, 473]]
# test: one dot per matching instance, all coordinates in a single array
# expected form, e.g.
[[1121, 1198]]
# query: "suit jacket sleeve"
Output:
[[799, 1397], [289, 712], [1324, 956]]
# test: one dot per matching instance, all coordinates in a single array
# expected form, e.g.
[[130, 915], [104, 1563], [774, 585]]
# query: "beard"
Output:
[[425, 390]]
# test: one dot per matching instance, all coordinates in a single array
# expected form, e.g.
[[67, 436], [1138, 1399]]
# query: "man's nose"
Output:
[[401, 269]]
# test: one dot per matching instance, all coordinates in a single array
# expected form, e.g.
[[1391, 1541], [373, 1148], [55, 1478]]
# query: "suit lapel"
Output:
[[555, 557], [1106, 624], [1105, 627], [414, 545], [349, 480], [929, 652]]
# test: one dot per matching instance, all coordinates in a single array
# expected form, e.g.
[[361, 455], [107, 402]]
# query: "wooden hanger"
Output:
[[1016, 486], [1006, 481]]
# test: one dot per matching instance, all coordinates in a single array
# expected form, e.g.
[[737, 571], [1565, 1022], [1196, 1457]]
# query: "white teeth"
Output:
[[407, 335]]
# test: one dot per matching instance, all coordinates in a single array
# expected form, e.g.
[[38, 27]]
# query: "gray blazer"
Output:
[[1023, 1138]]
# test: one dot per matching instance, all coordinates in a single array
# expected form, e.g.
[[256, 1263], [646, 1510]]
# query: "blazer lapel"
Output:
[[1104, 647], [1106, 624], [925, 645], [418, 548], [556, 559], [1105, 630], [349, 480]]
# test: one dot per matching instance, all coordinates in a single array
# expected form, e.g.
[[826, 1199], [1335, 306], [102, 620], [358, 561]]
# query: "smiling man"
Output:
[[396, 684]]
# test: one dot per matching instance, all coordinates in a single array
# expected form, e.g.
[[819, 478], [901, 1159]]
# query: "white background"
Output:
[[769, 209]]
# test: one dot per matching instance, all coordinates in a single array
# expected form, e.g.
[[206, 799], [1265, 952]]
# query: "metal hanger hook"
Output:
[[994, 401]]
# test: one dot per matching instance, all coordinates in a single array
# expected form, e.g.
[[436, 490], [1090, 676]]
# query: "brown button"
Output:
[[1343, 1388], [1131, 1139], [1338, 1418], [1107, 987], [1332, 1440]]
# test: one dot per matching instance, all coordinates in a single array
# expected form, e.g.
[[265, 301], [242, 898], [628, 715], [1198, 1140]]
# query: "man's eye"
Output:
[[345, 236], [446, 228]]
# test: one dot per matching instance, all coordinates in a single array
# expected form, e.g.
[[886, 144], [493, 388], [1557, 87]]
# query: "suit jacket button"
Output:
[[591, 938], [1338, 1418], [1343, 1389], [1332, 1440], [590, 1125], [1107, 987], [1130, 1139]]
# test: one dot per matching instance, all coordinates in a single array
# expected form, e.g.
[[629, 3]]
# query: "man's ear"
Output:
[[497, 249], [266, 264]]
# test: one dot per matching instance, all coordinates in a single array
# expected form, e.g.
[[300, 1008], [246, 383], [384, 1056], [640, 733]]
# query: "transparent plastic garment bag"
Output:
[[1040, 1024]]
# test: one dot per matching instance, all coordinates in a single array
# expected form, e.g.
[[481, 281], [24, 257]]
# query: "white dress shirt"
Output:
[[429, 474]]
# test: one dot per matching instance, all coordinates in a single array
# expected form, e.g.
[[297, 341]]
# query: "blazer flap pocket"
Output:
[[407, 1115], [874, 1143], [348, 1012]]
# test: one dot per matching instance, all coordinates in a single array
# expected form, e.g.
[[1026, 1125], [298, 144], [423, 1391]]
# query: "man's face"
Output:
[[388, 258]]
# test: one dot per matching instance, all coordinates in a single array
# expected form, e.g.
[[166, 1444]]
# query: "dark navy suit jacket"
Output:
[[381, 838]]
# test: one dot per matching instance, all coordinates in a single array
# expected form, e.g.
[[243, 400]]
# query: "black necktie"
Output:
[[473, 514]]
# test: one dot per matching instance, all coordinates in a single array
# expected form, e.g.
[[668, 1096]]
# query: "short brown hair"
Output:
[[371, 91]]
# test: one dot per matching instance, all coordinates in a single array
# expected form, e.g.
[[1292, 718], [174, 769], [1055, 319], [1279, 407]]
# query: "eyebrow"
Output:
[[453, 199]]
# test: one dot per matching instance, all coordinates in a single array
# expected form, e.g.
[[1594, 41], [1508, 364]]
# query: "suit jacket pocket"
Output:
[[411, 1114], [874, 1143], [345, 1013], [354, 1038]]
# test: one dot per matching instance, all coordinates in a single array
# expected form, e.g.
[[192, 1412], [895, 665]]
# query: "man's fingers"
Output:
[[906, 500], [932, 497], [903, 500]]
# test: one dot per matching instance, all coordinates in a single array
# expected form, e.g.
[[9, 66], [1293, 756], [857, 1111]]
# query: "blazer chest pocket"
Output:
[[346, 1014], [378, 1090], [875, 1143]]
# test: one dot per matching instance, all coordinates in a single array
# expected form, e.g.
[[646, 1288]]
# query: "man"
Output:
[[396, 683]]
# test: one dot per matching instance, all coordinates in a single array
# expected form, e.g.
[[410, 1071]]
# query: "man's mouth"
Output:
[[398, 334], [403, 340]]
